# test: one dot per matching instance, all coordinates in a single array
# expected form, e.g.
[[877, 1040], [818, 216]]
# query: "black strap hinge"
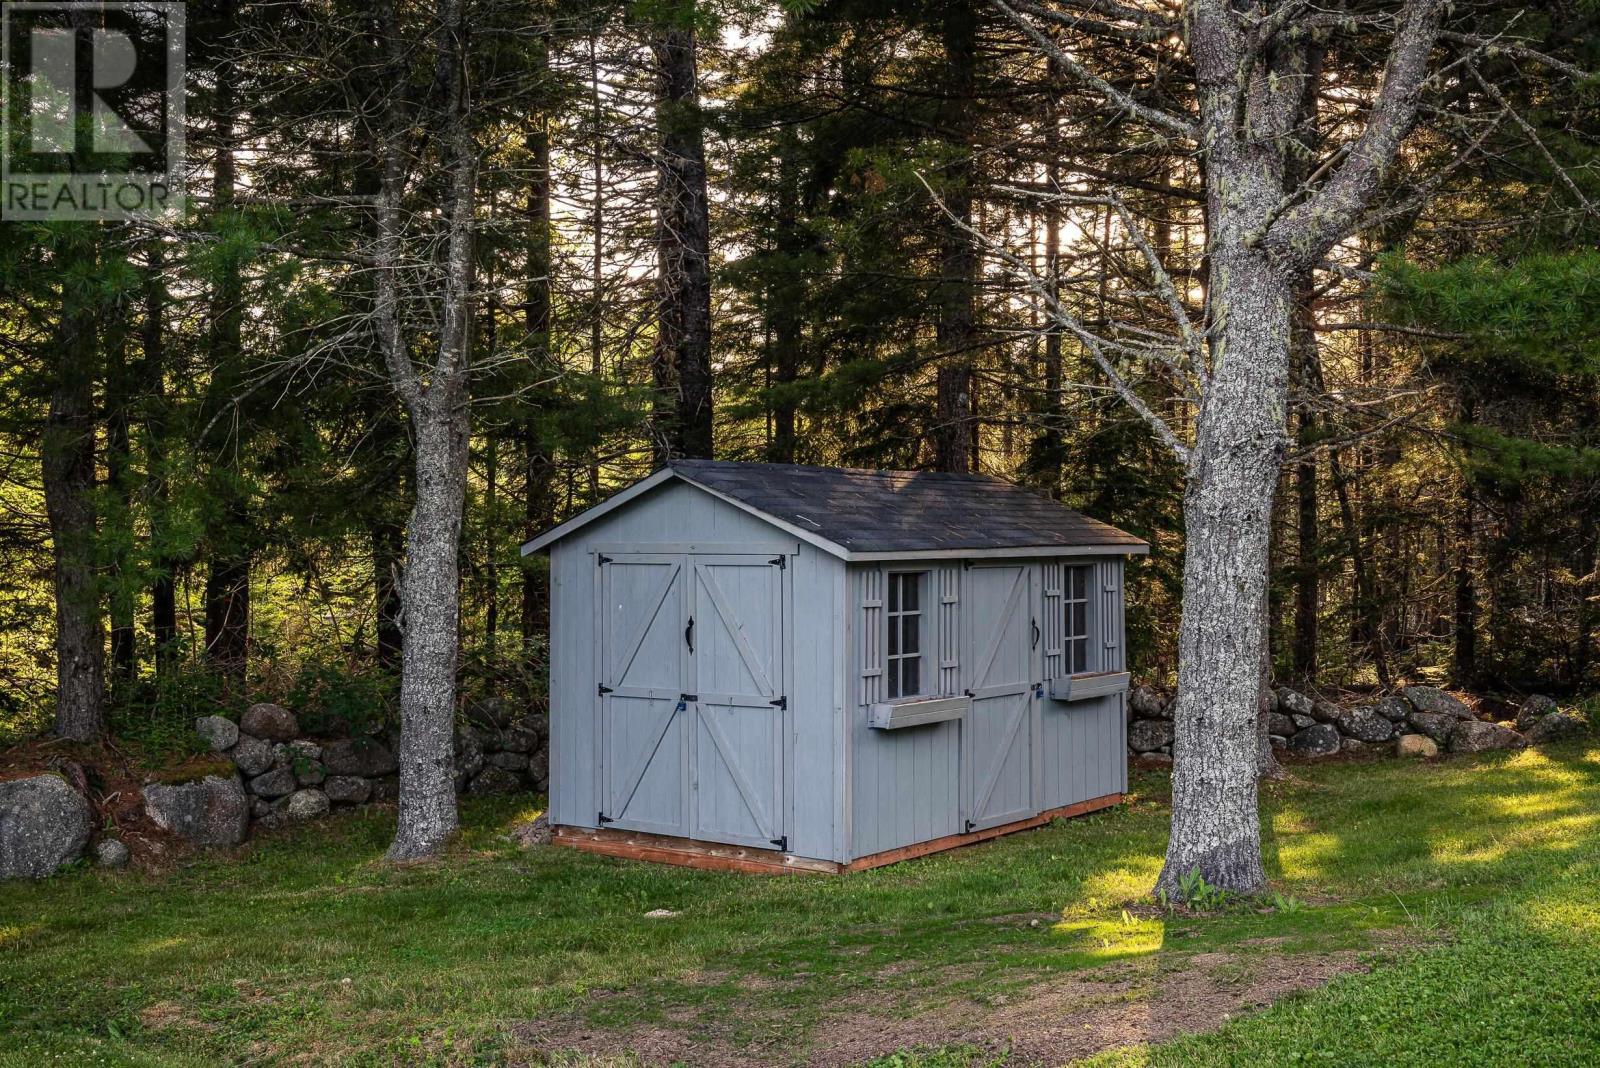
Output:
[[781, 561], [601, 560], [969, 826], [688, 697], [781, 843], [603, 689], [603, 819], [782, 702]]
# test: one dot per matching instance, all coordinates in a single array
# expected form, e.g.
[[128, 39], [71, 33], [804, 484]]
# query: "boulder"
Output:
[[307, 805], [44, 823], [1435, 701], [469, 756], [1392, 708], [309, 772], [519, 740], [209, 814], [489, 712], [386, 788], [1147, 735], [279, 782], [366, 757], [1146, 703], [1434, 724], [1533, 709], [1278, 723], [219, 732], [251, 755], [272, 722], [110, 853], [1163, 759], [306, 749], [1301, 721], [1353, 745], [493, 780], [1476, 736], [539, 770], [1555, 726], [1365, 723], [1293, 702], [347, 789], [1416, 745], [1325, 711], [509, 761], [1318, 740], [1278, 741]]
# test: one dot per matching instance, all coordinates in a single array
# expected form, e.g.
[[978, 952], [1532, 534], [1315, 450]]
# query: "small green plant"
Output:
[[1281, 902], [1196, 893]]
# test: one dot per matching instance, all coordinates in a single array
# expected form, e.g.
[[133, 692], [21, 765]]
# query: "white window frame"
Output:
[[893, 670], [1072, 643]]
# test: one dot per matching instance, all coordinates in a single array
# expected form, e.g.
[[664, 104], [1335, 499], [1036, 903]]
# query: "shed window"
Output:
[[1075, 599], [903, 662]]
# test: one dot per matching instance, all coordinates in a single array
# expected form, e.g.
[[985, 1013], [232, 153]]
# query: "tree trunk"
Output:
[[681, 361], [227, 594], [538, 465], [1308, 584], [1227, 522], [68, 460], [432, 603], [956, 332], [164, 563], [119, 500], [1464, 666]]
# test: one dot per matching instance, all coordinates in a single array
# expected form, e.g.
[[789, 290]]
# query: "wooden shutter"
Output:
[[1053, 625], [1108, 582], [869, 644], [949, 580]]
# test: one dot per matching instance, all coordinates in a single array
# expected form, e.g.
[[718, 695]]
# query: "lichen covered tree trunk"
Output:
[[431, 599], [1227, 524]]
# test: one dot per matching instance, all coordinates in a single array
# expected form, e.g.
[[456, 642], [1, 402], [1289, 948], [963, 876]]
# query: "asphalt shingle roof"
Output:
[[904, 511]]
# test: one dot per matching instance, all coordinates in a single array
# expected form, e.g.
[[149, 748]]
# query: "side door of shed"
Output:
[[998, 759]]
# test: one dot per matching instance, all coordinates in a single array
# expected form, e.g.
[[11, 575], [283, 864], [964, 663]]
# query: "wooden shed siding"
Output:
[[1085, 744], [904, 785]]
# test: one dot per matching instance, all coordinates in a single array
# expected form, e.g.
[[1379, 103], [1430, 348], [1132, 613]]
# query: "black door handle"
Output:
[[688, 635], [1035, 624]]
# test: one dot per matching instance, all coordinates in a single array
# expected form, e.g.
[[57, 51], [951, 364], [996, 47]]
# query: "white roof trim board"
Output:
[[883, 515]]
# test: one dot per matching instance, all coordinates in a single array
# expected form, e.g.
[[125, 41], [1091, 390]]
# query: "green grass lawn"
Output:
[[1468, 892]]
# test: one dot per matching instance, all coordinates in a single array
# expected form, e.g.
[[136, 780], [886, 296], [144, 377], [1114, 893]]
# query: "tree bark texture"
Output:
[[681, 360]]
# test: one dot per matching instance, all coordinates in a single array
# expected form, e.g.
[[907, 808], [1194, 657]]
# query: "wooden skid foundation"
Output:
[[663, 849]]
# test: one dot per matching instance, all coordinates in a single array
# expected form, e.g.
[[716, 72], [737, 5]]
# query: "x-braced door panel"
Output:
[[736, 754], [644, 732], [1002, 651]]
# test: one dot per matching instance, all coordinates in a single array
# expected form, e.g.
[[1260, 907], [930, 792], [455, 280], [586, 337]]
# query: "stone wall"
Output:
[[286, 776], [1416, 721]]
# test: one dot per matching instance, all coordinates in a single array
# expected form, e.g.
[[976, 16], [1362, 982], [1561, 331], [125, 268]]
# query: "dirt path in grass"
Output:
[[1052, 1022]]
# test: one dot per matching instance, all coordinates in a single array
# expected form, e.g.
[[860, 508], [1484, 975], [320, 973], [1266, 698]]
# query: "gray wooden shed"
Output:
[[760, 666]]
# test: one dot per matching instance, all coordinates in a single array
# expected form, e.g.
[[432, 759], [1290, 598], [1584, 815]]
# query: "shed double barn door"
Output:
[[691, 702]]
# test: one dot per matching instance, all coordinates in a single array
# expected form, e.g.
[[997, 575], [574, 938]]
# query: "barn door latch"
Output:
[[781, 843]]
